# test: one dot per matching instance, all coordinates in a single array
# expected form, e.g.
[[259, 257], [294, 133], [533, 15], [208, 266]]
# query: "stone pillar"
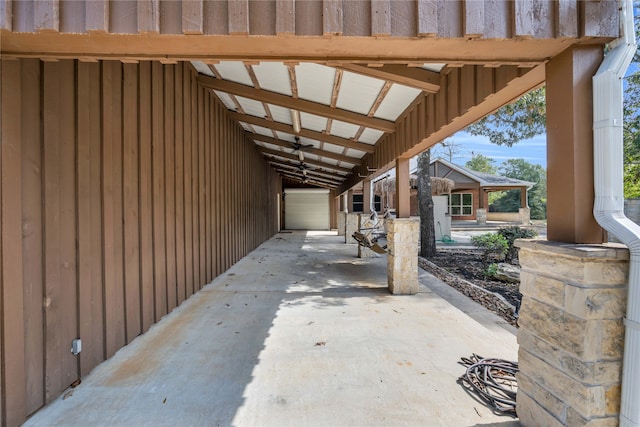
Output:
[[525, 215], [342, 223], [365, 222], [351, 225], [571, 333], [403, 236], [481, 216]]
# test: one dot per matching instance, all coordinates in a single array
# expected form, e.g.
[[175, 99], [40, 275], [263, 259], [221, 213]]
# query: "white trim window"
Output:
[[461, 204]]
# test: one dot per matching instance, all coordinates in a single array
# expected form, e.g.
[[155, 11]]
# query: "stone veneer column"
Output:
[[525, 215], [481, 216], [342, 223], [571, 333], [403, 236], [351, 225]]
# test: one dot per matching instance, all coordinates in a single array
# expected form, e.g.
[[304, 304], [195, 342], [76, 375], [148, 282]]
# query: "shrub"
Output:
[[494, 246], [511, 234], [491, 270]]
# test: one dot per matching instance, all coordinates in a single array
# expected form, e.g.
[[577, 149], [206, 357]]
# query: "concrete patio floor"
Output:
[[298, 333]]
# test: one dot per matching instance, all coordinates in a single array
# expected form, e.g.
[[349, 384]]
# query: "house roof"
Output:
[[485, 179]]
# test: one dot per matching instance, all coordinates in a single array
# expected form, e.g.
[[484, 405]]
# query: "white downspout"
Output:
[[609, 198]]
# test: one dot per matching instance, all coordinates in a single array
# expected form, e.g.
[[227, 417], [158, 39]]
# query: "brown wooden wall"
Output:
[[396, 18], [125, 188]]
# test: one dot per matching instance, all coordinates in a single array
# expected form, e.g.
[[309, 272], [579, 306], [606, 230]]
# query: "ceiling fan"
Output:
[[297, 146]]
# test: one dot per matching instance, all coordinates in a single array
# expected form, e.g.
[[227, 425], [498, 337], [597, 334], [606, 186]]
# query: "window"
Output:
[[377, 204], [461, 204], [357, 203]]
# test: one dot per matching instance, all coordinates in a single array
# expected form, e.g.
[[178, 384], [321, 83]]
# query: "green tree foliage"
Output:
[[631, 137], [522, 119], [482, 163], [537, 196]]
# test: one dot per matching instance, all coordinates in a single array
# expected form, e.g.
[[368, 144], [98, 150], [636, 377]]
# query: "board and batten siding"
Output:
[[125, 189]]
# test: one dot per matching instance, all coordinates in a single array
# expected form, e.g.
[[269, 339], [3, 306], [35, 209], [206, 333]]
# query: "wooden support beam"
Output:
[[309, 162], [318, 136], [570, 160], [338, 179], [402, 188], [297, 104], [366, 196], [417, 78], [314, 151], [301, 176]]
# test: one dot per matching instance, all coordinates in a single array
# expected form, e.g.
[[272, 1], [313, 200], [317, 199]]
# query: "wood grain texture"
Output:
[[97, 16], [87, 191], [46, 15], [332, 17], [32, 237], [146, 201], [567, 18], [12, 336], [170, 189], [148, 14], [179, 162], [473, 18], [285, 17], [6, 15], [131, 202], [192, 17], [238, 17], [380, 18]]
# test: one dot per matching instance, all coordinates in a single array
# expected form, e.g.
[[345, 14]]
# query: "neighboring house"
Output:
[[469, 198], [470, 194]]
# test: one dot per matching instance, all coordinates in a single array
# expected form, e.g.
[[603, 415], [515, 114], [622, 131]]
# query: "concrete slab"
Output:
[[300, 332]]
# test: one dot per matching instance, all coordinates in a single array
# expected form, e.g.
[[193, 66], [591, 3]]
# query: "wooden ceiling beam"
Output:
[[309, 181], [338, 179], [417, 78], [302, 177], [309, 150], [297, 104], [306, 133], [309, 162]]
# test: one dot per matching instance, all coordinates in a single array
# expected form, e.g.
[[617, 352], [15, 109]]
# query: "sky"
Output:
[[533, 150]]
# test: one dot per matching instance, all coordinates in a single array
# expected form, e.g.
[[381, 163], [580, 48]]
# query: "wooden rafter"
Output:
[[306, 133], [308, 173], [298, 104], [295, 158], [417, 78], [310, 181], [287, 164], [310, 150]]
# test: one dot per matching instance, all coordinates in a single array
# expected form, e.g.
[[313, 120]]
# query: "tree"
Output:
[[447, 149], [425, 207], [482, 163], [631, 137], [522, 119], [537, 195]]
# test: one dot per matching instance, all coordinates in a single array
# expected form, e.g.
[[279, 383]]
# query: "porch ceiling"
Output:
[[315, 122]]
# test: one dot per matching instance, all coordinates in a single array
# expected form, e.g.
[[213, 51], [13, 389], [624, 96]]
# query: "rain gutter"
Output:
[[609, 197]]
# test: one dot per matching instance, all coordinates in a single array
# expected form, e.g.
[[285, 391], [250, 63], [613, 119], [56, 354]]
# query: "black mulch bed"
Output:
[[462, 269]]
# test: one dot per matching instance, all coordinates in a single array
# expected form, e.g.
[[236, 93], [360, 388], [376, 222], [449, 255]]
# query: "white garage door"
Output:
[[306, 209]]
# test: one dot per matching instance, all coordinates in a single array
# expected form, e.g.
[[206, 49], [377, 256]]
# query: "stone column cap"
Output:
[[614, 251]]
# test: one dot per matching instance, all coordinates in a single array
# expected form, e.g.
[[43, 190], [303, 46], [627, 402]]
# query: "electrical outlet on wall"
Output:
[[76, 346]]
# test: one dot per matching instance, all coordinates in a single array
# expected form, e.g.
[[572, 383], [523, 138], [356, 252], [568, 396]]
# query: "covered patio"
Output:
[[147, 147], [299, 332]]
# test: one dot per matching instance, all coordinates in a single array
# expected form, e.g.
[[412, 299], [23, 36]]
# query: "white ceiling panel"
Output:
[[347, 165], [358, 93], [273, 76], [202, 68], [396, 101], [370, 136], [280, 114], [433, 67], [332, 148], [271, 146], [344, 130], [226, 100], [262, 131], [234, 71], [245, 126], [310, 156], [330, 161], [355, 153], [315, 82], [251, 107], [313, 122]]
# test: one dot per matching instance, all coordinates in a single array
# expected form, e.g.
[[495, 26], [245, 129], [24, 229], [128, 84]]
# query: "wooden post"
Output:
[[366, 196], [402, 188], [570, 146]]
